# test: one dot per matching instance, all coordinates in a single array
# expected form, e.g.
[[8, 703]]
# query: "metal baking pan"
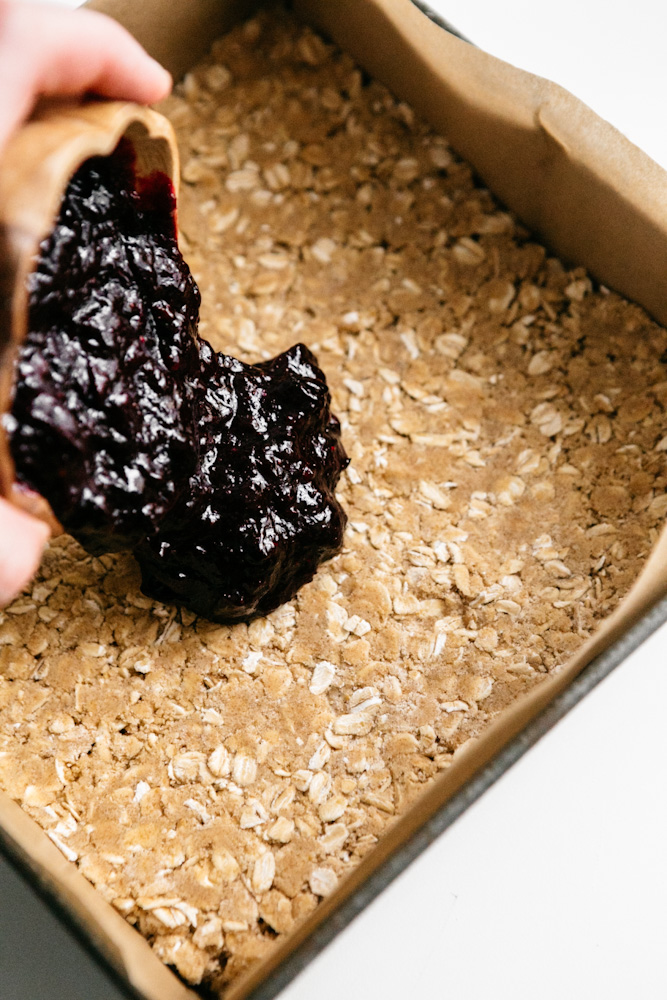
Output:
[[552, 150]]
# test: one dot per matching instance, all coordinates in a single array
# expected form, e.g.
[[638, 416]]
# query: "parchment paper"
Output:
[[591, 195]]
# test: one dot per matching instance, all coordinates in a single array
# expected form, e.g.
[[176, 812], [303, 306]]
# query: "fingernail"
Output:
[[165, 74]]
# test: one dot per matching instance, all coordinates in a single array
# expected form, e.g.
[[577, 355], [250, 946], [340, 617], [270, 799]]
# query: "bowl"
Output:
[[35, 169]]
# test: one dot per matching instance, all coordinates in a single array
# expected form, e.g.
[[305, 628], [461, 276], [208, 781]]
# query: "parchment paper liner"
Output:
[[591, 196]]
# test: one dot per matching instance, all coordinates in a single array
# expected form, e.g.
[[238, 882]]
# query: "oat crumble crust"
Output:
[[505, 419]]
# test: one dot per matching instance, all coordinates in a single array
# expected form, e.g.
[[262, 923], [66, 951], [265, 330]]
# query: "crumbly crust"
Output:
[[505, 420]]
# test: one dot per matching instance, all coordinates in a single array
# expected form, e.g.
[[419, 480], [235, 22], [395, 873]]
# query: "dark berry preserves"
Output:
[[219, 475]]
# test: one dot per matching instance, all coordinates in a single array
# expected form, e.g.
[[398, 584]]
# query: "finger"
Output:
[[22, 541], [45, 51], [88, 52]]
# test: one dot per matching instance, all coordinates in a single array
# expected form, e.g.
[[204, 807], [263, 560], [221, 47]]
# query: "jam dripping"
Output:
[[218, 474]]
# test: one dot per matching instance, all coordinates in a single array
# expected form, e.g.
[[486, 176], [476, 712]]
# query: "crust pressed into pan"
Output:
[[506, 425]]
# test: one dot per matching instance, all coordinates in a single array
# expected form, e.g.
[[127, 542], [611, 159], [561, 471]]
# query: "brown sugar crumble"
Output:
[[505, 420]]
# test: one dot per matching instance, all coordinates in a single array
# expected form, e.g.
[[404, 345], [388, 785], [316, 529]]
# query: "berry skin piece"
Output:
[[219, 475], [260, 514]]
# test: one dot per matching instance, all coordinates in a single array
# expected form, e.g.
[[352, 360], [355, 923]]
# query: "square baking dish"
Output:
[[593, 198]]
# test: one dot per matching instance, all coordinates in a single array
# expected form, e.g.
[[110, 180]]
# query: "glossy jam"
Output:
[[219, 475]]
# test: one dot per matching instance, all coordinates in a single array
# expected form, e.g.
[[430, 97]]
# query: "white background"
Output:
[[554, 885]]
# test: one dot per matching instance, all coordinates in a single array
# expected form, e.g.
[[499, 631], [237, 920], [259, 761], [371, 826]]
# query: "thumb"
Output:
[[22, 541]]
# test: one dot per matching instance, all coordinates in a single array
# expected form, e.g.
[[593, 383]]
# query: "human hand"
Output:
[[50, 52], [22, 540]]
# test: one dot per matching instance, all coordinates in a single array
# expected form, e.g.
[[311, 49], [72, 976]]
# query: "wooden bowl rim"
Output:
[[35, 169]]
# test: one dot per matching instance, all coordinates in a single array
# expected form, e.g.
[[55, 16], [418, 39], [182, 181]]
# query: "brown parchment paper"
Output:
[[118, 943], [176, 32], [591, 195]]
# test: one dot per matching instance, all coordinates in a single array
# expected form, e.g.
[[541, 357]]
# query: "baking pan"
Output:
[[550, 159]]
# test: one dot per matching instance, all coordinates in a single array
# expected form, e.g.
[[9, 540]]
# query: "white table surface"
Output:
[[554, 884]]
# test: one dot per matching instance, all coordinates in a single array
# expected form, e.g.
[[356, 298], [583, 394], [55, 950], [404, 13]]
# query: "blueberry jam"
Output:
[[219, 475]]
